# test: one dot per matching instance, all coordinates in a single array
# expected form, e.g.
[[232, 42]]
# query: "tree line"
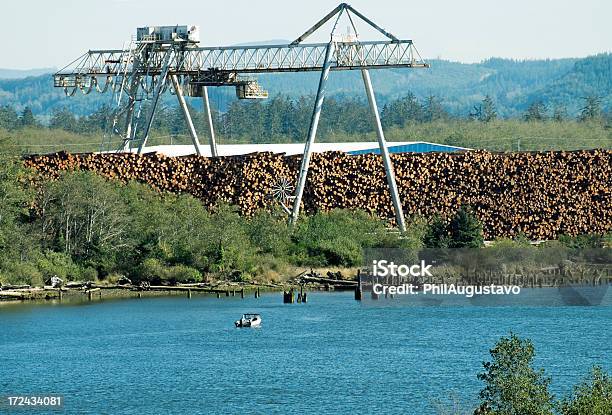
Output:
[[282, 118]]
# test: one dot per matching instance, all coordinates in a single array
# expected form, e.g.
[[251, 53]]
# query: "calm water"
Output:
[[332, 355]]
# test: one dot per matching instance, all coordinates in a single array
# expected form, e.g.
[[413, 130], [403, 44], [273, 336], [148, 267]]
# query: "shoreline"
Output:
[[99, 292]]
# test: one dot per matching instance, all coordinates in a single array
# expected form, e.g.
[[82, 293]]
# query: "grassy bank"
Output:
[[497, 135]]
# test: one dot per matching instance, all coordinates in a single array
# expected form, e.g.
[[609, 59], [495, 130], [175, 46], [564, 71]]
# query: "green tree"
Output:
[[489, 110], [82, 215], [8, 118], [437, 234], [27, 118], [536, 111], [63, 119], [591, 109], [560, 113], [335, 238], [591, 397], [465, 230], [401, 111], [17, 245], [433, 109], [512, 385]]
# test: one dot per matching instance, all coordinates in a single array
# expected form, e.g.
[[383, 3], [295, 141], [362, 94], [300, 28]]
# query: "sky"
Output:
[[39, 34]]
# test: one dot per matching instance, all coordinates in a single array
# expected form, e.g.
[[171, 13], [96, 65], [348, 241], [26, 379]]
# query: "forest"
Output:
[[283, 119]]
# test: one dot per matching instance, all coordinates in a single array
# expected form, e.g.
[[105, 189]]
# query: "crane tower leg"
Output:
[[312, 132], [161, 81], [188, 120], [211, 128], [384, 152], [128, 125]]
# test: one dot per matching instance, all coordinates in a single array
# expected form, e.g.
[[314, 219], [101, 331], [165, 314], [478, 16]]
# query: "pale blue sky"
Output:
[[52, 33]]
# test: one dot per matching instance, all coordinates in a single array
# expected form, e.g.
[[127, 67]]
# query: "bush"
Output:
[[182, 274], [582, 241], [58, 264], [89, 274], [336, 238], [156, 272], [591, 397], [22, 273], [340, 252]]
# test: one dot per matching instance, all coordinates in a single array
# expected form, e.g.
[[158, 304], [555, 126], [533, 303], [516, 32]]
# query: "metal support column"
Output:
[[161, 81], [211, 128], [312, 132], [128, 128], [384, 152], [183, 105]]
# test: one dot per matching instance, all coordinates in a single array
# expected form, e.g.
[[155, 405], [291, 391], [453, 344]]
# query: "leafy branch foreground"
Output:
[[513, 386]]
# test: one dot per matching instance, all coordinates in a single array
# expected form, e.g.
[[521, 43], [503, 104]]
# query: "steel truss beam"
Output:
[[202, 63]]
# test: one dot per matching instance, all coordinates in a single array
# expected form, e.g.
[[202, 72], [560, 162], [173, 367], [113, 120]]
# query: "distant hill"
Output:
[[589, 76], [23, 73], [513, 85]]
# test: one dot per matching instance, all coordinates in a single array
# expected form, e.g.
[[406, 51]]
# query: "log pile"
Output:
[[539, 194]]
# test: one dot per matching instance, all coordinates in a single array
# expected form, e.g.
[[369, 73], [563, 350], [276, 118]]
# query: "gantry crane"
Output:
[[169, 58]]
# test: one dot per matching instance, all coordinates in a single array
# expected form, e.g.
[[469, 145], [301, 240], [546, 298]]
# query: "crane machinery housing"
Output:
[[170, 58]]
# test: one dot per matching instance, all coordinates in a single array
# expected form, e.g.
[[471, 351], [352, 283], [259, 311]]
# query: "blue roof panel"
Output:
[[420, 147]]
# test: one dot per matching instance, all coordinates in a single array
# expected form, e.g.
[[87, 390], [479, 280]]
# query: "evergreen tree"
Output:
[[560, 113], [536, 112], [489, 110], [98, 120], [63, 119], [465, 230], [8, 118], [401, 111], [27, 118], [433, 109], [591, 109], [437, 234]]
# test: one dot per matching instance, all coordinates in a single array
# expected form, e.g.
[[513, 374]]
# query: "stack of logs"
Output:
[[540, 194]]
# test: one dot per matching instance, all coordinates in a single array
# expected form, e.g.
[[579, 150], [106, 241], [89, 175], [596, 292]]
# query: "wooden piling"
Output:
[[288, 296], [358, 290]]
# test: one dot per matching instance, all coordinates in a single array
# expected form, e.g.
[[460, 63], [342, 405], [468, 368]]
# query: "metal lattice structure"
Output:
[[170, 59]]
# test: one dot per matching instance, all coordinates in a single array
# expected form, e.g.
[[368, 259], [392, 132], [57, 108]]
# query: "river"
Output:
[[174, 355]]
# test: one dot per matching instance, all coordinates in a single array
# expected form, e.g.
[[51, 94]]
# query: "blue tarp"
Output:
[[412, 148]]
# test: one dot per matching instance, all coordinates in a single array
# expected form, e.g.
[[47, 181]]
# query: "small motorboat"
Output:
[[249, 320]]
